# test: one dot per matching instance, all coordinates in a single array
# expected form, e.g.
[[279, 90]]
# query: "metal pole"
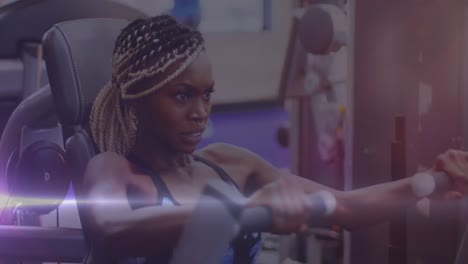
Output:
[[31, 56]]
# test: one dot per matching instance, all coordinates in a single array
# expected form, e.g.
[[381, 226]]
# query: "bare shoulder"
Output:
[[224, 153], [243, 164], [107, 166]]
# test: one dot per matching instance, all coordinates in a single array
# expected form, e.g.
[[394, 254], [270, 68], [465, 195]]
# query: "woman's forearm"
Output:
[[366, 206], [374, 204], [141, 232]]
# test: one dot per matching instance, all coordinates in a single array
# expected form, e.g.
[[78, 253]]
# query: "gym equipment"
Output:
[[397, 248], [36, 168], [40, 173], [75, 80], [316, 114], [31, 147], [42, 244], [220, 216], [425, 184], [321, 29], [38, 107], [24, 42], [38, 16], [35, 118], [462, 253], [403, 62]]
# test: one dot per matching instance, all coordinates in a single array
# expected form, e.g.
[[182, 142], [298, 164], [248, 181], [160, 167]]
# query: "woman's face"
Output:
[[176, 115]]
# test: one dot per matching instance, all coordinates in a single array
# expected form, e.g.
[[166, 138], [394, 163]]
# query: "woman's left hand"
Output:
[[455, 164], [289, 203]]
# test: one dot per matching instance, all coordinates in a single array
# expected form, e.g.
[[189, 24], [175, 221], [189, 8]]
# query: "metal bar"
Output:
[[31, 55], [462, 254], [397, 249], [267, 15]]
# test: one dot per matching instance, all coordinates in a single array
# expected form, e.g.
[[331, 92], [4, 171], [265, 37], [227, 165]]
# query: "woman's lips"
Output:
[[193, 137]]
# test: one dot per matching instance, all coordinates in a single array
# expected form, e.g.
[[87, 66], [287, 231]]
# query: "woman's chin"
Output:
[[188, 149]]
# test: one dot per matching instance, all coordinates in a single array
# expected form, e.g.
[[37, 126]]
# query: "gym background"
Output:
[[348, 93]]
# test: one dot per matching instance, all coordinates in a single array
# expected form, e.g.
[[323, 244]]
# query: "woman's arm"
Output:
[[381, 202], [373, 204], [117, 230], [357, 208]]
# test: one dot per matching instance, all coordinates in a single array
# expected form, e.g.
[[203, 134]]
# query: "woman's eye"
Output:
[[181, 97], [207, 95]]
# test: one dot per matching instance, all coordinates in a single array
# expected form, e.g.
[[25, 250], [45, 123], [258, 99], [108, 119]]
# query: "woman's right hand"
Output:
[[289, 203]]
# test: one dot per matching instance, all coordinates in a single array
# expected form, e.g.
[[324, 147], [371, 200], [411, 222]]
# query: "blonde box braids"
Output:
[[157, 49]]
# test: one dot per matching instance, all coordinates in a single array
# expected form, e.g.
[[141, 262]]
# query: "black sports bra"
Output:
[[243, 250], [164, 195]]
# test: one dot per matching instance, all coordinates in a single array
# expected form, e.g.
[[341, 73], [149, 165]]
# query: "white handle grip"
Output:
[[425, 184]]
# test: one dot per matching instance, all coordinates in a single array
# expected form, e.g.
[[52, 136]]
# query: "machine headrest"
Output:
[[78, 56]]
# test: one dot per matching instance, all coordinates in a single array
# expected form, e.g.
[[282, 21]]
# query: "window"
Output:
[[213, 16], [238, 15]]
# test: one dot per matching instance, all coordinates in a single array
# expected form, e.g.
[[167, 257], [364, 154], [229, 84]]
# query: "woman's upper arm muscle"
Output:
[[105, 189], [263, 172]]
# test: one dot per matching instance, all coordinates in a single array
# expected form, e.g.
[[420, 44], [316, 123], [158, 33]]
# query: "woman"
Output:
[[147, 123]]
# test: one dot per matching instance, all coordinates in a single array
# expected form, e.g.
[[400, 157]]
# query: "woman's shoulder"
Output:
[[222, 153], [106, 160], [107, 165]]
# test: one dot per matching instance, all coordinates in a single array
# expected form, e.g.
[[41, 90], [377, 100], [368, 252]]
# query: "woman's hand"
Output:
[[289, 204], [455, 164]]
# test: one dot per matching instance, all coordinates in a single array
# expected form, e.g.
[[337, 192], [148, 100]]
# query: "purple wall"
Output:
[[252, 129]]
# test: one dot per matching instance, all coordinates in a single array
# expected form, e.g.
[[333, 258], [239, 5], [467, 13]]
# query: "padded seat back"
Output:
[[78, 56]]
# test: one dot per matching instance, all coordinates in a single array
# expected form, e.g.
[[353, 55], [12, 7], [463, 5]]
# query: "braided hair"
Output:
[[157, 49]]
